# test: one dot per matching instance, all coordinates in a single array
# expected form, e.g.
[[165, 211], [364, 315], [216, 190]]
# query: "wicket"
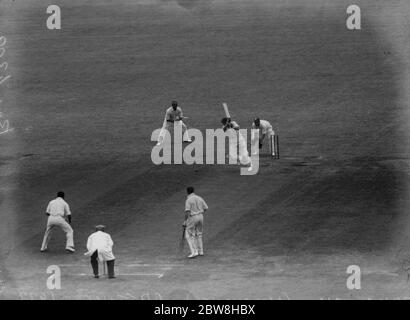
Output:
[[274, 146]]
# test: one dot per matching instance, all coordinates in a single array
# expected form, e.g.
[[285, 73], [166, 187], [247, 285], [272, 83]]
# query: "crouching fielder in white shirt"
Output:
[[99, 247], [265, 130]]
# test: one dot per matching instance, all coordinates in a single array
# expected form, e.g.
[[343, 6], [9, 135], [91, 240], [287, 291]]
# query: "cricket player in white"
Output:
[[242, 156], [195, 206], [173, 117], [99, 246], [58, 211], [265, 130], [234, 124]]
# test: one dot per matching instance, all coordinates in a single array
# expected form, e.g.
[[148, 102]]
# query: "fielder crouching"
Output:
[[173, 117], [265, 130], [99, 247]]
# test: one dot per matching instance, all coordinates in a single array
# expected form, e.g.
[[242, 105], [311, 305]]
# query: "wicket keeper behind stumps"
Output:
[[265, 130]]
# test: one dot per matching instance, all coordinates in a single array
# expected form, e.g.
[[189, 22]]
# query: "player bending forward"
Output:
[[99, 246], [233, 129], [265, 130], [173, 117]]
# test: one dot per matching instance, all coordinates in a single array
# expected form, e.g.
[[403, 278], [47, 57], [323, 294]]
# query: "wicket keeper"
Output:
[[265, 130]]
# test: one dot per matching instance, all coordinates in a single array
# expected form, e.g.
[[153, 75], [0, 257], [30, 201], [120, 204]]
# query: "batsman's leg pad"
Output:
[[192, 245], [199, 244], [199, 226], [190, 234]]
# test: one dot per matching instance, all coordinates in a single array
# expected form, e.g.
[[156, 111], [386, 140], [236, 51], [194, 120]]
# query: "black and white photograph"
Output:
[[204, 150]]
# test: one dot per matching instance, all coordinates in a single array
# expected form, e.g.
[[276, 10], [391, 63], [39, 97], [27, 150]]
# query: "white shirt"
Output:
[[102, 242], [264, 126], [173, 115], [235, 125], [195, 204], [58, 207]]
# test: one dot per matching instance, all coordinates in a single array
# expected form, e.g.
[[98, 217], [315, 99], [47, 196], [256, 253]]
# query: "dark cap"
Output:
[[60, 194]]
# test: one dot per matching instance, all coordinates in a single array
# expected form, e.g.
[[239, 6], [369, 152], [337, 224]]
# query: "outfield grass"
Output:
[[85, 100]]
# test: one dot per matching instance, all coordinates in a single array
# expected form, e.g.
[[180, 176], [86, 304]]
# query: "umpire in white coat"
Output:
[[99, 247]]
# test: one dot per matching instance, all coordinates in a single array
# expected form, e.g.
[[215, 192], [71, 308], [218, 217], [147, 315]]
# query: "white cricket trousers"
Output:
[[193, 233], [58, 221], [238, 149], [177, 125]]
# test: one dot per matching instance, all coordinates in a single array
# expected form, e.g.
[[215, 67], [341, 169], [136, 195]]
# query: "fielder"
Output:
[[173, 117], [233, 129], [58, 211], [265, 130], [195, 206], [99, 246]]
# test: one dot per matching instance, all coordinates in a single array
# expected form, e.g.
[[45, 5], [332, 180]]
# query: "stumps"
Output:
[[274, 146]]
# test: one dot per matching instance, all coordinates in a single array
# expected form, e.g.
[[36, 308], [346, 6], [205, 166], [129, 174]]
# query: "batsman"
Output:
[[195, 207], [232, 127]]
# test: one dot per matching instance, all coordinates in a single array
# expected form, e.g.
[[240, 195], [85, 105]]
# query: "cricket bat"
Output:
[[181, 242], [226, 110]]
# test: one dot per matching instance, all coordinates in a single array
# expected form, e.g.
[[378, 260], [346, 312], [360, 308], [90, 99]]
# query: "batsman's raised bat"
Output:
[[226, 110]]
